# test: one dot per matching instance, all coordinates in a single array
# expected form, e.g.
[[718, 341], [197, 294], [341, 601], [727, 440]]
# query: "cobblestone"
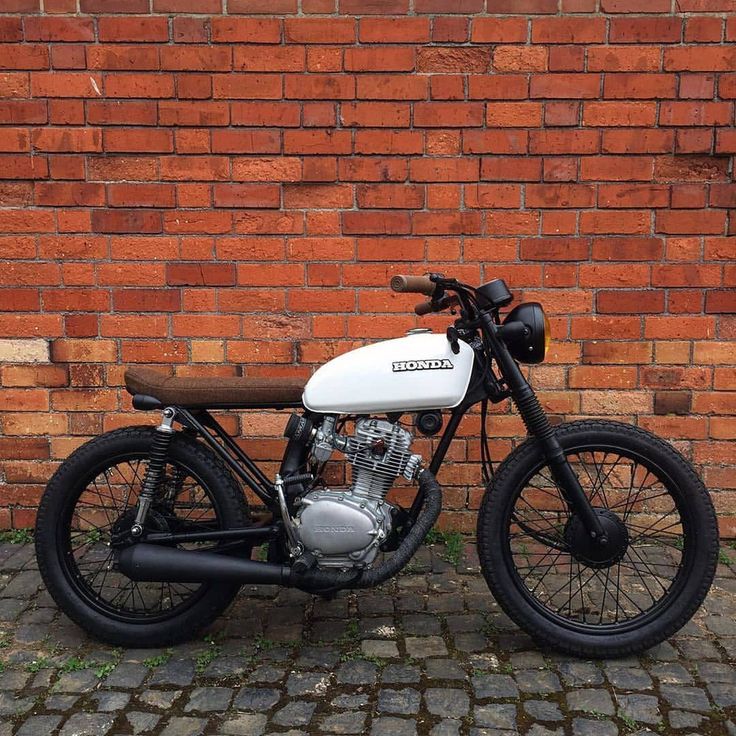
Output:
[[429, 654]]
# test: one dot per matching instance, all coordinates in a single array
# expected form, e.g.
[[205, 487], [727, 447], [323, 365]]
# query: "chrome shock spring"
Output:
[[155, 469]]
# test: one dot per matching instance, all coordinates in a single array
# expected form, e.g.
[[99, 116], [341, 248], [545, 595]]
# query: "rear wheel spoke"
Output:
[[107, 502]]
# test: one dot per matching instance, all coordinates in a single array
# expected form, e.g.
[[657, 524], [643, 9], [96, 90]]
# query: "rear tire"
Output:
[[56, 534], [515, 560]]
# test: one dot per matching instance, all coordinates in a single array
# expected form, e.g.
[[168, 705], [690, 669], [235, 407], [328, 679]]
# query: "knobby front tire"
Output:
[[94, 493], [542, 571]]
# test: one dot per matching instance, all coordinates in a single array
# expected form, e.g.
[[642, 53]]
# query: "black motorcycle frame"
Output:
[[479, 325]]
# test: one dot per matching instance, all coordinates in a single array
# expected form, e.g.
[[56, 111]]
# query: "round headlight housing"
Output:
[[526, 332]]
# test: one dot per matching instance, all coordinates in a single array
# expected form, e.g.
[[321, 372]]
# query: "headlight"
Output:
[[526, 332]]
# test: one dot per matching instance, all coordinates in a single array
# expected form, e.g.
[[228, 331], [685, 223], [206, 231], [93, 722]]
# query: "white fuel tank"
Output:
[[410, 373]]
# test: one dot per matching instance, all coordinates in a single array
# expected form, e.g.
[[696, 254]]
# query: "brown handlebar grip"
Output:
[[423, 308], [413, 285]]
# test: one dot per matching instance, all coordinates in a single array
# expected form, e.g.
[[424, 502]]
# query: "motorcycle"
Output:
[[596, 537]]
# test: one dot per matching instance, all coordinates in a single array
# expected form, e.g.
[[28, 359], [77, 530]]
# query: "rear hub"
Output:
[[593, 552]]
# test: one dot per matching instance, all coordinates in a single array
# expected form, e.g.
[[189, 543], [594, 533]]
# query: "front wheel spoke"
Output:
[[541, 580], [593, 484], [642, 534], [605, 593], [643, 500], [647, 567], [620, 590], [643, 581], [642, 487], [548, 524], [572, 591]]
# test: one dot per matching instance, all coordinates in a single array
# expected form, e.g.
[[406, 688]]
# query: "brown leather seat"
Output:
[[233, 392]]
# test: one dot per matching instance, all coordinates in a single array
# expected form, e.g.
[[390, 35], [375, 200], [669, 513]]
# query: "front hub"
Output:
[[592, 552]]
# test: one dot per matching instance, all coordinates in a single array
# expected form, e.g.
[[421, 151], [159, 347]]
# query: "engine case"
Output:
[[342, 530]]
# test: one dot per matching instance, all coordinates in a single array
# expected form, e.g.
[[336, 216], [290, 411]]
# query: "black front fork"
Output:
[[538, 425]]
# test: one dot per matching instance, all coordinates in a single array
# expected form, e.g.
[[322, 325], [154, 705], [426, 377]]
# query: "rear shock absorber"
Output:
[[155, 469]]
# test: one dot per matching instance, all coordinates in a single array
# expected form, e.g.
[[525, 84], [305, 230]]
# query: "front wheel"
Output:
[[572, 594], [92, 499]]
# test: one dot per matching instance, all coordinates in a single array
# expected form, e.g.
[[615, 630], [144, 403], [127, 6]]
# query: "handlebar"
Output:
[[423, 308], [413, 285]]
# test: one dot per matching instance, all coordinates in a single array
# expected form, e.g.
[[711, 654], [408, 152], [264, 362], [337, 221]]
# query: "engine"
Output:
[[345, 528]]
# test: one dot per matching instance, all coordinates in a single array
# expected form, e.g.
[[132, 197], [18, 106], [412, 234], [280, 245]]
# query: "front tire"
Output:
[[93, 495], [568, 595]]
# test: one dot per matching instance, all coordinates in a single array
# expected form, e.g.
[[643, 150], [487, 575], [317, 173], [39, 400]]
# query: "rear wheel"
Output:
[[581, 597], [92, 498]]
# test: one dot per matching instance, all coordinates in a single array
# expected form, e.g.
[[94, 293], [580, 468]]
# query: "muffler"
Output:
[[154, 563]]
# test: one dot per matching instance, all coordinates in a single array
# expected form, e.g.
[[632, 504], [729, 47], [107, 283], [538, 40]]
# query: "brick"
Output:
[[367, 59], [637, 141], [684, 222], [393, 30], [315, 30], [509, 168], [196, 58], [125, 58], [700, 59], [623, 301], [455, 30], [114, 6], [520, 58], [26, 56], [695, 113], [449, 59], [616, 168], [131, 29], [269, 59], [391, 87], [635, 6], [322, 87], [638, 58], [247, 87], [246, 30], [555, 249], [513, 114], [645, 30], [391, 142], [448, 115], [525, 7], [639, 86], [376, 223], [559, 195], [444, 169], [499, 30], [633, 195], [567, 86], [200, 274], [38, 28], [568, 30], [138, 85], [453, 6]]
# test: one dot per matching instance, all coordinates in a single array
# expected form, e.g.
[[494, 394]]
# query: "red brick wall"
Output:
[[226, 189]]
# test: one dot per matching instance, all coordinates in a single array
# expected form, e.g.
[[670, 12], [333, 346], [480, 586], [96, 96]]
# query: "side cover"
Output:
[[409, 373]]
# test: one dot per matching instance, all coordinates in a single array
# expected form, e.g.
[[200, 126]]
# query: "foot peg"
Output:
[[304, 563]]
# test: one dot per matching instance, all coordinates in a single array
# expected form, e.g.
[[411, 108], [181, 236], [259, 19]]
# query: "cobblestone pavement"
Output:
[[428, 654]]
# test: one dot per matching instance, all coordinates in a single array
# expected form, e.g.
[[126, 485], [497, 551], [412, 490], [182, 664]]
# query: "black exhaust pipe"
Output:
[[151, 562], [154, 563]]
